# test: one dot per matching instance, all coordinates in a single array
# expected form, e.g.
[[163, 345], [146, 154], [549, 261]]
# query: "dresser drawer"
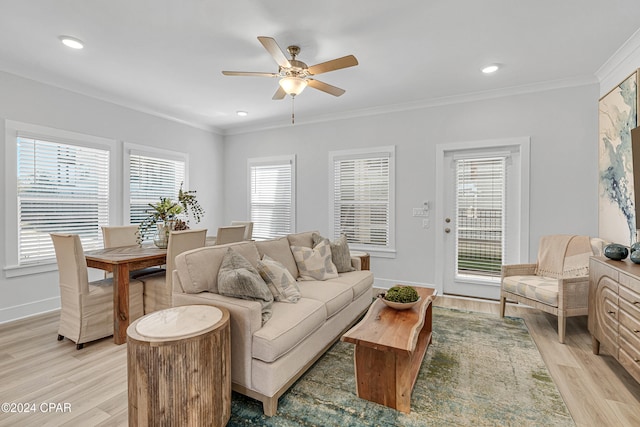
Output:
[[609, 313], [629, 354], [630, 282], [630, 300]]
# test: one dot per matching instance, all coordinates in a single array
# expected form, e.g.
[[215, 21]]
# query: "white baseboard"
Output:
[[16, 312]]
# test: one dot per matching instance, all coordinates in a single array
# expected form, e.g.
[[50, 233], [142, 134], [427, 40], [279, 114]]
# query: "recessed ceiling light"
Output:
[[242, 113], [490, 69], [71, 42]]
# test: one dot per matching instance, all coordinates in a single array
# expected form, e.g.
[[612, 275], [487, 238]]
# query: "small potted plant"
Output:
[[400, 297], [163, 217]]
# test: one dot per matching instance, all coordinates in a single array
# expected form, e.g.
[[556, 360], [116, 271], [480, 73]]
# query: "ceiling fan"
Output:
[[295, 75]]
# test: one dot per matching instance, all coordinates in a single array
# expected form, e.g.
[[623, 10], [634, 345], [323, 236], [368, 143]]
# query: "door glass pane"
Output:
[[480, 216]]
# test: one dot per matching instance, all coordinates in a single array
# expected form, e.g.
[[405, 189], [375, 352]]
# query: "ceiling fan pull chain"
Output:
[[293, 114]]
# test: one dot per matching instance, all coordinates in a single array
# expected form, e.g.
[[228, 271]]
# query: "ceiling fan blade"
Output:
[[275, 51], [280, 94], [249, 73], [335, 64], [317, 84]]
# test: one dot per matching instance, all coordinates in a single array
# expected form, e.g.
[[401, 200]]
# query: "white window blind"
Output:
[[480, 207], [271, 205], [362, 199], [152, 178], [62, 188]]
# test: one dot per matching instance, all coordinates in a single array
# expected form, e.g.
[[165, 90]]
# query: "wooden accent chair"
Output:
[[558, 283], [158, 287], [230, 234], [86, 307], [115, 236], [248, 230]]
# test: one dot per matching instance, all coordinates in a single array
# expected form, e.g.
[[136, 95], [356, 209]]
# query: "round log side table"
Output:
[[179, 367]]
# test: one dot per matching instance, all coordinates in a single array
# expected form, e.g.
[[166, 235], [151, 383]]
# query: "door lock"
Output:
[[447, 230]]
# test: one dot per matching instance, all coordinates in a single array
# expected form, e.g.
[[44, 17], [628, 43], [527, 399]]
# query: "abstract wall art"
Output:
[[618, 114]]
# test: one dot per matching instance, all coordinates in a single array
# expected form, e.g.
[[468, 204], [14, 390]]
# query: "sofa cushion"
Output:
[[360, 281], [334, 295], [281, 283], [289, 326], [315, 264], [278, 249], [539, 288], [198, 268], [339, 252], [238, 278], [301, 239]]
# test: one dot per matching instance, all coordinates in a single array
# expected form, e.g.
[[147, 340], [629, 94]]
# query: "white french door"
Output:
[[482, 219]]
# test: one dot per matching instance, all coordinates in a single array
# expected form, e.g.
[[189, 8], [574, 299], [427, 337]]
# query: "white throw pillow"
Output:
[[281, 283], [315, 264]]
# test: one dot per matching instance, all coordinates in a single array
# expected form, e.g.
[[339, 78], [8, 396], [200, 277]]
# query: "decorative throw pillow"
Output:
[[239, 279], [340, 255], [315, 264], [280, 282]]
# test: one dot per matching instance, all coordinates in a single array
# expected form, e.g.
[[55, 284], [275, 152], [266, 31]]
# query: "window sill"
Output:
[[26, 270], [375, 252]]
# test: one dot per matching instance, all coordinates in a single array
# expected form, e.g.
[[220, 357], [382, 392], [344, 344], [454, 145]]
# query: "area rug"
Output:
[[480, 370]]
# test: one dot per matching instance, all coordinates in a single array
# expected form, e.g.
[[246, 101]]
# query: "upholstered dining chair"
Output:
[[248, 228], [230, 234], [558, 283], [86, 307], [158, 287], [115, 236]]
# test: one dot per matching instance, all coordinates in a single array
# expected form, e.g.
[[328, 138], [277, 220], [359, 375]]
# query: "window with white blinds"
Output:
[[62, 188], [272, 196], [480, 207], [362, 197], [152, 177]]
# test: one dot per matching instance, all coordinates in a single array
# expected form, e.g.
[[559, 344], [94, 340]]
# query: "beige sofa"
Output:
[[267, 359]]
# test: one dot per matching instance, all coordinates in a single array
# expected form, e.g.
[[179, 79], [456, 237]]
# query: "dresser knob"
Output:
[[636, 331], [611, 312], [636, 303]]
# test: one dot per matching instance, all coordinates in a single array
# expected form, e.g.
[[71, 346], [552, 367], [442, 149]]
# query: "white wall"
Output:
[[31, 102], [562, 124]]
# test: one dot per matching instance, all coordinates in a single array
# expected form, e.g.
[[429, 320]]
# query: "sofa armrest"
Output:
[[519, 270], [356, 262]]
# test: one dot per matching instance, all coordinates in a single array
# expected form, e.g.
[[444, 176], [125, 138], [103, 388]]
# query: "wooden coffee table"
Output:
[[390, 346]]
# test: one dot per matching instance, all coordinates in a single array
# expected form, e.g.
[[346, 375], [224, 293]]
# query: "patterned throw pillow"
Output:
[[315, 264], [340, 254], [281, 283], [239, 279]]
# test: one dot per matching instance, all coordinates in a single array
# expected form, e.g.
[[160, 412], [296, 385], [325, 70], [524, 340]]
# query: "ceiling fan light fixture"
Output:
[[293, 85]]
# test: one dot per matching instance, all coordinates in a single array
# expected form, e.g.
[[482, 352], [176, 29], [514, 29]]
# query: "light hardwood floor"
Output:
[[36, 368]]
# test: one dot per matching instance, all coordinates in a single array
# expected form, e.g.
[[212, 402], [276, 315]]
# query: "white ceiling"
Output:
[[166, 56]]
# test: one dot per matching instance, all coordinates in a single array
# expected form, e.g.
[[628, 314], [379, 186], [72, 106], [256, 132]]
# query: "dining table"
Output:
[[120, 261]]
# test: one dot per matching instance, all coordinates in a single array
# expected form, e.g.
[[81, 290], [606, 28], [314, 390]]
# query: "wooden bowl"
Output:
[[400, 305]]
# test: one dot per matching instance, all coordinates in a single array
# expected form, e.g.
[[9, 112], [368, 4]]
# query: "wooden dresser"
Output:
[[614, 310]]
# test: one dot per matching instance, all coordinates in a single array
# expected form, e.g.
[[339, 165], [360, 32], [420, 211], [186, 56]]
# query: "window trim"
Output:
[[145, 150], [275, 160], [14, 129], [362, 153]]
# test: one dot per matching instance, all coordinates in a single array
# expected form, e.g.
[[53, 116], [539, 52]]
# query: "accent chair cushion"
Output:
[[315, 264], [539, 288], [340, 255], [238, 278], [279, 280]]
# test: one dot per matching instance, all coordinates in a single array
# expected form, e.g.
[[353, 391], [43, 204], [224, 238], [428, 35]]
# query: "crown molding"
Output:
[[623, 62], [428, 103]]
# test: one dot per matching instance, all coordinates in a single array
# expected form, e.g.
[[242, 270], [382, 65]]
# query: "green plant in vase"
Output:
[[163, 217]]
